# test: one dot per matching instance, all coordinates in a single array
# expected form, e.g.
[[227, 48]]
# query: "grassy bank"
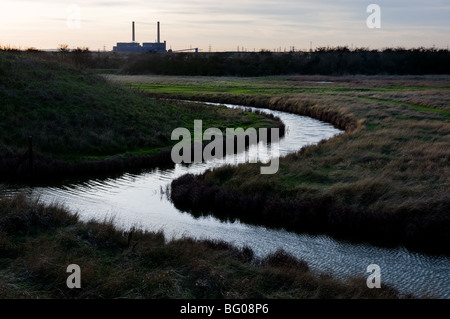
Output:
[[386, 181], [82, 124], [38, 242]]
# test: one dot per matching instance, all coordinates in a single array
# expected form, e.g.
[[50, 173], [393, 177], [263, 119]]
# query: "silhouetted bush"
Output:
[[327, 61]]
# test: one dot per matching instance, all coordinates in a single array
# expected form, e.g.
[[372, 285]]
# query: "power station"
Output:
[[134, 46]]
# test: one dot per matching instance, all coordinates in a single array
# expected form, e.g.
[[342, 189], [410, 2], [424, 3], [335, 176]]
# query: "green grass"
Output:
[[391, 164], [76, 116], [276, 85], [416, 107]]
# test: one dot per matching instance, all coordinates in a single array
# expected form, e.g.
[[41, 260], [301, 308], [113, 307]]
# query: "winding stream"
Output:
[[140, 200]]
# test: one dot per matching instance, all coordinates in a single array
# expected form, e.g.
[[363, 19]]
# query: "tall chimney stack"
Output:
[[158, 33], [133, 31]]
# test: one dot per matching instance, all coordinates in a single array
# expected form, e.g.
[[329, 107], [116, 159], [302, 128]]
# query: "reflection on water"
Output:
[[140, 200]]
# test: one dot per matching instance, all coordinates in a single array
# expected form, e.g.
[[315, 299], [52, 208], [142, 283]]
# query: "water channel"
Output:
[[140, 200]]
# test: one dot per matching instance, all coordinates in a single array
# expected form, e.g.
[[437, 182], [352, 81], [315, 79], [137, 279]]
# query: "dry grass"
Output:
[[135, 264], [392, 165]]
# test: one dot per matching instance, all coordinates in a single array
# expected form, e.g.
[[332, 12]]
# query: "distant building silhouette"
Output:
[[137, 47]]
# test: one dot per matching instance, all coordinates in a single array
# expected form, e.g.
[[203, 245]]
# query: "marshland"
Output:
[[382, 183]]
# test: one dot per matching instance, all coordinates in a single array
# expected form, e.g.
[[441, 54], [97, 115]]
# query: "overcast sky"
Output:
[[224, 25]]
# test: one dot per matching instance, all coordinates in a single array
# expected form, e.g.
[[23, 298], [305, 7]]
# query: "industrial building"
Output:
[[145, 47]]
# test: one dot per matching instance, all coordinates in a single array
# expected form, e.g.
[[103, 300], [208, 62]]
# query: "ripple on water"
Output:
[[137, 200]]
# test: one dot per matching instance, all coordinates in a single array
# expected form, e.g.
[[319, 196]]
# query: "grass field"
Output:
[[386, 180], [76, 118], [393, 162]]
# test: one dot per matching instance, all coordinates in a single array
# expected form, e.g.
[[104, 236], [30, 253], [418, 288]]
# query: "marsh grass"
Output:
[[80, 123], [386, 180], [38, 242]]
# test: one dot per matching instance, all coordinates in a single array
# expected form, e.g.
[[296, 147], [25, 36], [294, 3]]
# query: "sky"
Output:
[[225, 25]]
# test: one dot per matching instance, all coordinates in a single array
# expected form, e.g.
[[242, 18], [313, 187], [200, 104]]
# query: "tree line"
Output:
[[326, 61], [321, 61]]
